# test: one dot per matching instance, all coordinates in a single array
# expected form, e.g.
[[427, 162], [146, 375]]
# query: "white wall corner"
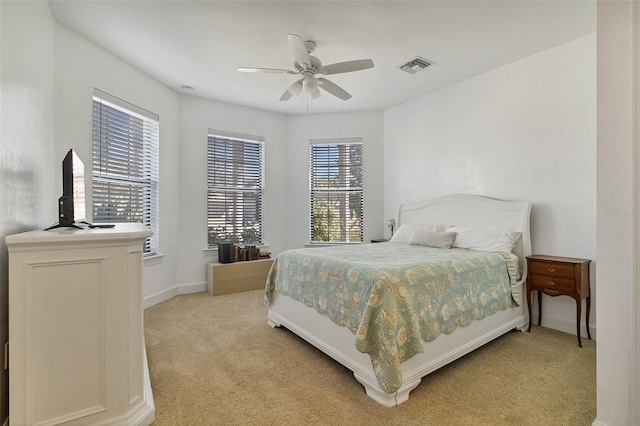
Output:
[[192, 287], [617, 235], [636, 243], [161, 296], [166, 294]]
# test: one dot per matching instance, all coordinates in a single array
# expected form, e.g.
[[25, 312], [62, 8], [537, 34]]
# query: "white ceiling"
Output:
[[201, 43]]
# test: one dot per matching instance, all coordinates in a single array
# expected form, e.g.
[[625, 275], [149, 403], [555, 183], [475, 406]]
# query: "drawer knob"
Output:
[[551, 283], [551, 292], [551, 270]]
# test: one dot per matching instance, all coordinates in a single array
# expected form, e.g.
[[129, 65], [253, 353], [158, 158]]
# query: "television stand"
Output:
[[73, 225], [57, 225], [76, 323]]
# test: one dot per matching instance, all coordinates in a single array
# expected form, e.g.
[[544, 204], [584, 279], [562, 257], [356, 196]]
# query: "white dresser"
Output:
[[76, 343]]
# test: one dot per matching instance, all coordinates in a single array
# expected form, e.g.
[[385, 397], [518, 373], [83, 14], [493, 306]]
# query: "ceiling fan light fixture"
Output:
[[311, 87]]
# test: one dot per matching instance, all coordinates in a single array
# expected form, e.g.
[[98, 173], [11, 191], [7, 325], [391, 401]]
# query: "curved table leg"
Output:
[[539, 307], [588, 312], [579, 314], [529, 308]]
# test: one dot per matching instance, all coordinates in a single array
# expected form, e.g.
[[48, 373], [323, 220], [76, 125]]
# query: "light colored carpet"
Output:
[[215, 361]]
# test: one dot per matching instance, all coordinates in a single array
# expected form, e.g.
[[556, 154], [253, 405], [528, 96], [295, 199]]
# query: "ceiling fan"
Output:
[[308, 66]]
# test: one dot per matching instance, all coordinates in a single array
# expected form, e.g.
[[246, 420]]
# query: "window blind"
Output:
[[235, 182], [125, 166], [336, 192]]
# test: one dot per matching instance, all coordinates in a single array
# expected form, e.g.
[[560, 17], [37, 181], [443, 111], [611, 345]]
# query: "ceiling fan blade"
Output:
[[311, 86], [299, 50], [286, 96], [269, 70], [293, 90], [333, 88], [340, 67]]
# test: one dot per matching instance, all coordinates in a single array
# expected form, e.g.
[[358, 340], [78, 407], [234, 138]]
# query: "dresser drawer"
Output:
[[552, 283], [556, 276], [552, 269]]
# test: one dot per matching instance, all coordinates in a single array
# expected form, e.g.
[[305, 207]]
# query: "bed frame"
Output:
[[339, 342]]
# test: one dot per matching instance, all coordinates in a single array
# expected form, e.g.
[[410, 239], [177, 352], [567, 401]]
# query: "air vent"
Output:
[[415, 65]]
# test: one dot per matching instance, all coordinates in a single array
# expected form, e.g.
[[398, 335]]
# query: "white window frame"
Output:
[[243, 184], [343, 189], [143, 128]]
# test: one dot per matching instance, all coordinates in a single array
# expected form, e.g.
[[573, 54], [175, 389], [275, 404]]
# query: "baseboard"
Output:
[[563, 324], [161, 296], [6, 422], [192, 288], [597, 422]]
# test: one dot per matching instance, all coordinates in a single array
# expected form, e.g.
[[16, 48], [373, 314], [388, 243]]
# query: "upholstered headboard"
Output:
[[474, 210]]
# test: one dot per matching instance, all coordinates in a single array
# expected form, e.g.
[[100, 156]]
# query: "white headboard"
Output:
[[474, 210]]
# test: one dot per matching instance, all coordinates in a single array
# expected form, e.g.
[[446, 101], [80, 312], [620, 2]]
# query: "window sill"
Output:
[[314, 244], [209, 251], [154, 258]]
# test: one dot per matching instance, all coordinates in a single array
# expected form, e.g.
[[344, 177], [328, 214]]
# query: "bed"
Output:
[[372, 308]]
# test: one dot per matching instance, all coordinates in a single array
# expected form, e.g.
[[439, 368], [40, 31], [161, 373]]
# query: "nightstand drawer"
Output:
[[552, 283], [552, 269]]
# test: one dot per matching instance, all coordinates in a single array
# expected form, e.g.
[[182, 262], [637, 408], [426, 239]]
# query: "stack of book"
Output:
[[264, 254], [247, 252], [226, 253], [229, 253]]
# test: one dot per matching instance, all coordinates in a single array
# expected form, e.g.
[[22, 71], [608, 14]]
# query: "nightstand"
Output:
[[379, 240], [559, 276]]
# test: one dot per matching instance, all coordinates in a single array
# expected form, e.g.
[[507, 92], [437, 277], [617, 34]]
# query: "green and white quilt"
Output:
[[394, 296]]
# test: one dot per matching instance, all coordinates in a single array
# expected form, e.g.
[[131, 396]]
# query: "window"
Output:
[[336, 190], [125, 165], [235, 185]]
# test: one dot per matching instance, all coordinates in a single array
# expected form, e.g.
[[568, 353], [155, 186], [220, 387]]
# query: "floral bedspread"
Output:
[[395, 296]]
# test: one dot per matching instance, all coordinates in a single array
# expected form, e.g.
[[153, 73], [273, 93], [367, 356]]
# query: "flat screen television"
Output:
[[71, 205]]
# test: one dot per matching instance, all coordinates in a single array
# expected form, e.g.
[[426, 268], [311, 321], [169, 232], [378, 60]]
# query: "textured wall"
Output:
[[27, 194], [524, 131], [79, 67], [197, 116]]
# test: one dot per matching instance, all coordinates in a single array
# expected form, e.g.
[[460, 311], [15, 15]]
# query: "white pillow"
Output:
[[488, 238], [403, 233], [421, 237]]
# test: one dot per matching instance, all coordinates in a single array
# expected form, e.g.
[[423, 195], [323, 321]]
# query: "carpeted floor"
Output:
[[215, 361]]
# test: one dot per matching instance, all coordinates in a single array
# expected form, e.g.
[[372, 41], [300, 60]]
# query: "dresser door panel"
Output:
[[68, 339]]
